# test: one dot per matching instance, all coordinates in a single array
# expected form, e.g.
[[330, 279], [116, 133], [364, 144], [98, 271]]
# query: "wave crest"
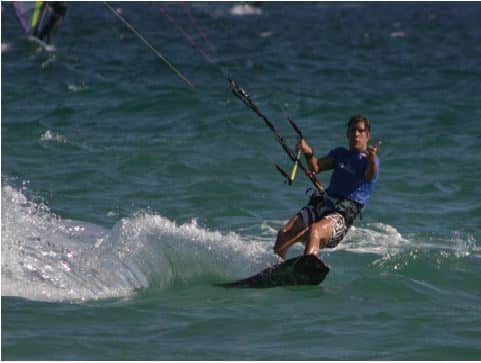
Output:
[[48, 258]]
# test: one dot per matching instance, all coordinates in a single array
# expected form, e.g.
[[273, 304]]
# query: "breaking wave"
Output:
[[45, 257]]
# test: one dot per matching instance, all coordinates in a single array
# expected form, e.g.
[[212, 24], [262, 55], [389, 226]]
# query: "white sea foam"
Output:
[[377, 238], [48, 258], [52, 136], [386, 241], [464, 244], [5, 47], [77, 87], [245, 9], [398, 34]]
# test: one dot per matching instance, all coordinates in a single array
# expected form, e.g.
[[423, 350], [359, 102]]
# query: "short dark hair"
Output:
[[359, 118]]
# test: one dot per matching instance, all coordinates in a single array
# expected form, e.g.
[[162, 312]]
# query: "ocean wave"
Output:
[[47, 258], [430, 261], [386, 241], [377, 238]]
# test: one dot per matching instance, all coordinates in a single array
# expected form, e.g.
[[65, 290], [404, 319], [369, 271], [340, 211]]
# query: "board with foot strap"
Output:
[[301, 270]]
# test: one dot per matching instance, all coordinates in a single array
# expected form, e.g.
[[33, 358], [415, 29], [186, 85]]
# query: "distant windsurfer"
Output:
[[325, 220], [40, 19], [55, 15]]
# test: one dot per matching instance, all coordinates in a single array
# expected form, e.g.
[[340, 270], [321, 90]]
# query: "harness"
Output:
[[329, 203]]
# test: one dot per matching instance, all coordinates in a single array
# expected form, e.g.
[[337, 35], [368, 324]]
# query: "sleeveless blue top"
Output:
[[347, 180]]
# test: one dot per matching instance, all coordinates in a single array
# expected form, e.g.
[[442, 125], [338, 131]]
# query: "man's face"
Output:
[[358, 136]]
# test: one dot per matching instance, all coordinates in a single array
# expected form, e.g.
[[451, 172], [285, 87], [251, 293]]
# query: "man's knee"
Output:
[[279, 246], [282, 234], [320, 234], [289, 230], [320, 229]]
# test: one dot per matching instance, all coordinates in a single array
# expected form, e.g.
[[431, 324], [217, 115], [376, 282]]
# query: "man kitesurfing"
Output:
[[325, 220], [329, 214]]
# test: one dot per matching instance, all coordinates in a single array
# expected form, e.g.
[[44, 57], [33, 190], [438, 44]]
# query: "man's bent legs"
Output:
[[327, 232]]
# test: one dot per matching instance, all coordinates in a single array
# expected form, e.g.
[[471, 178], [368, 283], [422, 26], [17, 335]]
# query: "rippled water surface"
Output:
[[126, 196]]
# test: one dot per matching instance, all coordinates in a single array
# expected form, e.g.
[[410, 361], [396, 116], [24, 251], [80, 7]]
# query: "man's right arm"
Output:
[[320, 164], [326, 163], [313, 163]]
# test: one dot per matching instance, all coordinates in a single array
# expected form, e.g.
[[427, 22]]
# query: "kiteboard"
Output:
[[301, 270]]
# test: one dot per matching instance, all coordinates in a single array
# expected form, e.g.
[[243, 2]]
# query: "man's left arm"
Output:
[[371, 170]]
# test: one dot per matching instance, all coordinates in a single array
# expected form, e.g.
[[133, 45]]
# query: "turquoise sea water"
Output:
[[126, 196]]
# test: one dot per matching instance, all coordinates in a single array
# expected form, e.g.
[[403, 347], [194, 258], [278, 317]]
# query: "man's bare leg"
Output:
[[292, 232], [320, 233]]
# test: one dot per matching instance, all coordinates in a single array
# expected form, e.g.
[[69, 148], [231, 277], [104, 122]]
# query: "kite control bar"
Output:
[[244, 97]]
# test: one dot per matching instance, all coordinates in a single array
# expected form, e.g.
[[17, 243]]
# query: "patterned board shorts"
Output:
[[314, 212]]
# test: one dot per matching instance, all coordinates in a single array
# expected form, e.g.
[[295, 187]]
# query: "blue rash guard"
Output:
[[347, 180]]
